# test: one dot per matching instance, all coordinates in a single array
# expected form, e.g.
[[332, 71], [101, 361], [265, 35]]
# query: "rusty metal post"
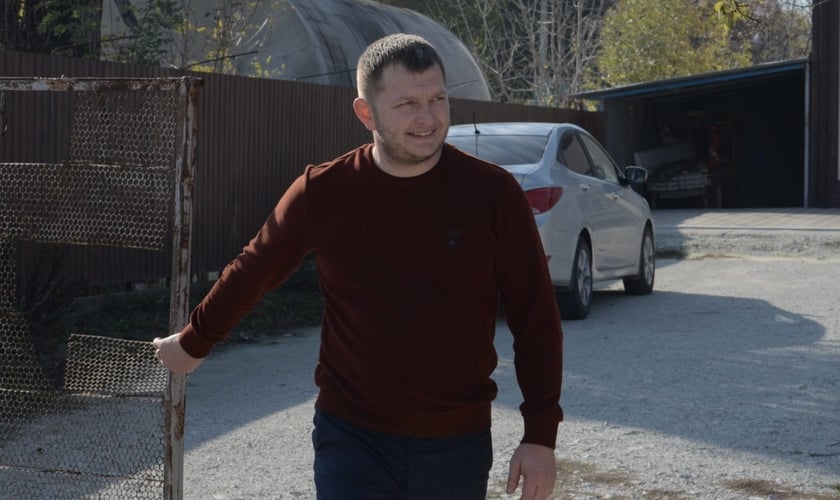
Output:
[[127, 181], [175, 396]]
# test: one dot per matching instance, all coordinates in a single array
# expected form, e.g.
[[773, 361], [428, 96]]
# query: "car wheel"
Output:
[[576, 302], [643, 283]]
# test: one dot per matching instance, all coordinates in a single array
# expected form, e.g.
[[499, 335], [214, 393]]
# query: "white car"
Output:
[[594, 226]]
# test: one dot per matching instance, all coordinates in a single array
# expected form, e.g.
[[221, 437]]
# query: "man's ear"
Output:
[[364, 113]]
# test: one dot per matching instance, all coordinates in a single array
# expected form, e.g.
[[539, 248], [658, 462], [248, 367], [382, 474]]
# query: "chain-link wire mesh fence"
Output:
[[109, 422]]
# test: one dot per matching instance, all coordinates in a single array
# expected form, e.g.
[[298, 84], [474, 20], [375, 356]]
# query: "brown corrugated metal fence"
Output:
[[255, 136]]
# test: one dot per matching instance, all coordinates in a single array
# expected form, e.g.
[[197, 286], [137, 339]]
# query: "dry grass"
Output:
[[770, 489], [577, 480]]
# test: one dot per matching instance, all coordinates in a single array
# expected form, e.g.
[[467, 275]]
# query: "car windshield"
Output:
[[502, 149]]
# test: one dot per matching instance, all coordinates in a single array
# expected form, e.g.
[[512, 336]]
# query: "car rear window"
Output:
[[502, 149]]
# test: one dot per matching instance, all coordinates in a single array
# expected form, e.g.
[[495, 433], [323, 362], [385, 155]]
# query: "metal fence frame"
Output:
[[180, 225]]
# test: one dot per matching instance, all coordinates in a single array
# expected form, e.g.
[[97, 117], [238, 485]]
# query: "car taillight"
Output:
[[541, 200]]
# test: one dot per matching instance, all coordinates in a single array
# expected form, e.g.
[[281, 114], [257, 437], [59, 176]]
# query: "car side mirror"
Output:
[[635, 175]]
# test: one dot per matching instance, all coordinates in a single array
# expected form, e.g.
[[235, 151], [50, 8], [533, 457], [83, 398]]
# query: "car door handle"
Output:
[[583, 186], [612, 196]]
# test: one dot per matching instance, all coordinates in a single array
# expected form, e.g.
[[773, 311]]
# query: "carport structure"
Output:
[[750, 123]]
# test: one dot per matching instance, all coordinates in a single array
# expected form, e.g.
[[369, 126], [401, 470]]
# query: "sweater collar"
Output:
[[434, 174]]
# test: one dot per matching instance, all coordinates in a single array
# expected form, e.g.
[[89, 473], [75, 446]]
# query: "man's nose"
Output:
[[425, 113]]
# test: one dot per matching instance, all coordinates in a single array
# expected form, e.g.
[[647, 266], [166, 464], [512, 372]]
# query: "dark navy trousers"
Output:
[[353, 463]]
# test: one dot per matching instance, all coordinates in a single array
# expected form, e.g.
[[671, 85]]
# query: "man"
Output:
[[416, 242]]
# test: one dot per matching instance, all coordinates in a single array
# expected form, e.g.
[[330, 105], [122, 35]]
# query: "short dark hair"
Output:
[[414, 52]]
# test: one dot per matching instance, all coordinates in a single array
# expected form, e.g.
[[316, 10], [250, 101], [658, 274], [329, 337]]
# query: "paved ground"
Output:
[[811, 232], [747, 410], [721, 385]]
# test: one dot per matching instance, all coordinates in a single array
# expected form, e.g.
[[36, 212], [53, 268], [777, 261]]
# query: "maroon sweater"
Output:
[[411, 271]]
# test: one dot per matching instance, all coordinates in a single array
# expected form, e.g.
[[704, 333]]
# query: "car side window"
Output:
[[602, 165], [572, 154]]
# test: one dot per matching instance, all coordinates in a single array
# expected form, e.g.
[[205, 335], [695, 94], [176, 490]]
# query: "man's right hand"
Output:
[[171, 355]]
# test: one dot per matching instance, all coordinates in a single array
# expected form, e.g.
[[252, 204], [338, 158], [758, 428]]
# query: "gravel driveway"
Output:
[[723, 384]]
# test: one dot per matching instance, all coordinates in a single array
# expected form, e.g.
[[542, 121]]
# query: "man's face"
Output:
[[409, 118]]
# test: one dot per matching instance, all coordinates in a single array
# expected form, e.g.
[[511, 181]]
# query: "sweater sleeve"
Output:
[[269, 259], [532, 315]]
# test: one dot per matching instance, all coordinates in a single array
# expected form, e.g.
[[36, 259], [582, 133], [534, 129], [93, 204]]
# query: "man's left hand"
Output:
[[536, 465]]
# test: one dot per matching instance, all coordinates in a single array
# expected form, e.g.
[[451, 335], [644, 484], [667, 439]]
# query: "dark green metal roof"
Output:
[[698, 83]]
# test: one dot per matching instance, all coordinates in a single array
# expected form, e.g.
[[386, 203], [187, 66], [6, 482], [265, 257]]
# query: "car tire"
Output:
[[642, 284], [576, 302]]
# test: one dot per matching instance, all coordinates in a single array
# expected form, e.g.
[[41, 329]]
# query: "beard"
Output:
[[400, 155], [398, 152]]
